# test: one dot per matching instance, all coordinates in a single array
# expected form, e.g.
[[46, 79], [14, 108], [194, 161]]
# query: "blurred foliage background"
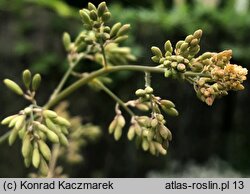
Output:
[[207, 141]]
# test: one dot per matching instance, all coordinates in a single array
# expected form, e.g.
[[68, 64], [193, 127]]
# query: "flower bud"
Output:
[[118, 132], [85, 17], [13, 136], [64, 130], [189, 38], [168, 47], [152, 148], [51, 125], [154, 122], [171, 111], [194, 42], [27, 78], [43, 167], [102, 7], [91, 6], [8, 119], [160, 149], [66, 41], [181, 67], [113, 125], [156, 51], [49, 113], [198, 34], [62, 121], [93, 15], [121, 39], [140, 92], [115, 29], [142, 107], [13, 86], [36, 156], [13, 122], [145, 144], [160, 117], [123, 30], [121, 121], [194, 50], [167, 103], [63, 140], [131, 132], [36, 82], [20, 122], [163, 131], [52, 136], [138, 130], [44, 149], [26, 147], [155, 59], [21, 132], [106, 16], [179, 43], [149, 90], [184, 47], [106, 29]]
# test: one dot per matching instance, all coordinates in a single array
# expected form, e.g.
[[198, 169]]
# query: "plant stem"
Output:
[[104, 56], [72, 65], [116, 98], [95, 74], [73, 87], [52, 162], [62, 82], [4, 137]]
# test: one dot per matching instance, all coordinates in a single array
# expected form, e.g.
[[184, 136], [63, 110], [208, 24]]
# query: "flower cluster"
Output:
[[97, 38], [211, 73], [35, 125], [149, 131]]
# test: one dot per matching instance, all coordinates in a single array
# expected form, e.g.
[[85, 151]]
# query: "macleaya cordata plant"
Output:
[[48, 134]]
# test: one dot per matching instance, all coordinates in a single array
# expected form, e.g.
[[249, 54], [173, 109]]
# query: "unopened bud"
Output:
[[149, 90], [13, 136], [168, 47], [156, 51], [189, 38], [167, 103], [123, 30], [121, 39], [44, 149], [140, 92], [115, 29], [145, 144], [36, 82], [160, 149], [198, 34], [194, 42], [36, 156], [8, 119], [154, 122], [27, 78], [93, 15], [26, 147], [102, 7], [49, 113], [13, 86], [131, 132], [184, 47], [181, 67], [63, 139], [106, 16]]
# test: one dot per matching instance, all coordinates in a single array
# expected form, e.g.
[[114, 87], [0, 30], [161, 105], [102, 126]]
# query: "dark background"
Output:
[[30, 37]]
